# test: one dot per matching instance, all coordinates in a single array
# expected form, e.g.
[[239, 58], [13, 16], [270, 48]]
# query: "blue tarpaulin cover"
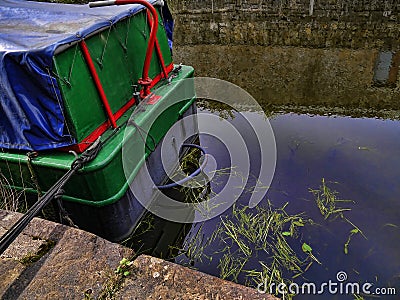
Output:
[[31, 108]]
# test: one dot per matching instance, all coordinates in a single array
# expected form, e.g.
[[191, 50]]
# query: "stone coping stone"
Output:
[[70, 263], [53, 261], [154, 278]]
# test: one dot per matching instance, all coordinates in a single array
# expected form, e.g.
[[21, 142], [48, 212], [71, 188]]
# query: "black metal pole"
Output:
[[20, 225]]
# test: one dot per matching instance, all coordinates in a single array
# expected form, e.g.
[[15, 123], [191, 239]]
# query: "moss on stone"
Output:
[[34, 257]]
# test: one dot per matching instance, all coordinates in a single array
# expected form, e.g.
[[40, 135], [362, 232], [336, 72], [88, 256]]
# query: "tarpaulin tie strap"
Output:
[[100, 59], [54, 89], [30, 156], [123, 44], [97, 82], [141, 131]]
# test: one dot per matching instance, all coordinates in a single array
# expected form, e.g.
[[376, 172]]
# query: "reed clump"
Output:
[[9, 197]]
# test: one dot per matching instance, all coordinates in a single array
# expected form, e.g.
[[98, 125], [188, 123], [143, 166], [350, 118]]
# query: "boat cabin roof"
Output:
[[31, 35]]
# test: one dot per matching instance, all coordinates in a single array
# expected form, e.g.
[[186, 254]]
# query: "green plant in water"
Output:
[[231, 267], [247, 234], [346, 245], [194, 247], [263, 231], [308, 250], [250, 233], [328, 203]]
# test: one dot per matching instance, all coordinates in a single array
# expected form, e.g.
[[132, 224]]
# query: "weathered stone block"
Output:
[[154, 278]]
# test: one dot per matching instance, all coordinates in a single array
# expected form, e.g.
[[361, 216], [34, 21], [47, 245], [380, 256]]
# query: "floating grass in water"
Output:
[[254, 246], [231, 267], [194, 246], [328, 203], [358, 297], [248, 235], [260, 246], [264, 232]]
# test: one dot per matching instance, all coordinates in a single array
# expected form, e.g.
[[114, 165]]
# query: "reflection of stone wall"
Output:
[[302, 51]]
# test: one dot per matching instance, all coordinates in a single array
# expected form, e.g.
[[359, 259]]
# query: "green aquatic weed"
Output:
[[329, 205]]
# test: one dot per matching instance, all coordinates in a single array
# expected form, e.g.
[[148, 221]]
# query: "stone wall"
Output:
[[335, 52], [302, 23]]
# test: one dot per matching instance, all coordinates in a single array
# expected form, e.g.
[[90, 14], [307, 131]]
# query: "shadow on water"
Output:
[[358, 159]]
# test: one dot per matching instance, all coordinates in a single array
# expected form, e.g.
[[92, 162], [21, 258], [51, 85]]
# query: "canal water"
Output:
[[350, 253], [356, 162]]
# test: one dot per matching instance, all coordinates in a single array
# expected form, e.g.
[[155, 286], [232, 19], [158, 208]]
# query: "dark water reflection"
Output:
[[357, 157]]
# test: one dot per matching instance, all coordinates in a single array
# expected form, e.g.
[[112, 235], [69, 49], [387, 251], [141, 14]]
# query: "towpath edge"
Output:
[[54, 261]]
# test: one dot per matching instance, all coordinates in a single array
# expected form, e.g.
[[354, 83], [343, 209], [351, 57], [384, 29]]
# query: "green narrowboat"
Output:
[[74, 77]]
